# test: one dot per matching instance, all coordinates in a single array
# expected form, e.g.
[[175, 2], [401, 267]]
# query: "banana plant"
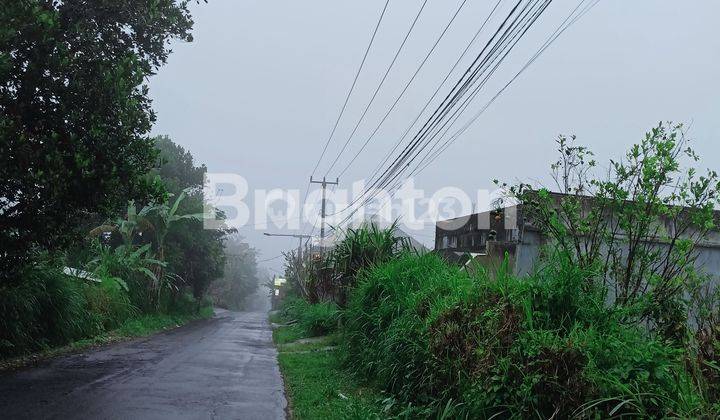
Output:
[[164, 216], [124, 261], [133, 223], [157, 218]]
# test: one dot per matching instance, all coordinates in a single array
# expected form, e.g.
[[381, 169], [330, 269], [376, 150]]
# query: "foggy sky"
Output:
[[259, 89]]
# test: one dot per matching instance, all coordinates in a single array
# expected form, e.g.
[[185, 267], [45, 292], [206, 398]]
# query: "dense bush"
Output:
[[316, 319], [49, 308], [332, 277], [109, 303], [542, 346]]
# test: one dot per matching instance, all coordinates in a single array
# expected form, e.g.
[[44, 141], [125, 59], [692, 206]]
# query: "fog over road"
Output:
[[224, 368]]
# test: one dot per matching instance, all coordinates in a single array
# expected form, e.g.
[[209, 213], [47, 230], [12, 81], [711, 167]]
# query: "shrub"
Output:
[[130, 265], [639, 223], [46, 308], [546, 345], [385, 334], [320, 318], [185, 304], [316, 319], [108, 303], [359, 249]]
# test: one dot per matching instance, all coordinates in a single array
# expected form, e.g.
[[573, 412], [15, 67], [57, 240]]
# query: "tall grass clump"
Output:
[[360, 248], [46, 309], [316, 319], [542, 346], [109, 303]]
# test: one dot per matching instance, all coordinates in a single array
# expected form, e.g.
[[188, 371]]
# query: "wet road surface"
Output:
[[222, 368]]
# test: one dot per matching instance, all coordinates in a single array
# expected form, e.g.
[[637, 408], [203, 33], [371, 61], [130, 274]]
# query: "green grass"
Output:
[[481, 346], [141, 326], [311, 344], [148, 324], [284, 335], [317, 385], [318, 388]]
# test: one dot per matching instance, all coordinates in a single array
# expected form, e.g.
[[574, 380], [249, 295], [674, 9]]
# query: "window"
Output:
[[483, 238]]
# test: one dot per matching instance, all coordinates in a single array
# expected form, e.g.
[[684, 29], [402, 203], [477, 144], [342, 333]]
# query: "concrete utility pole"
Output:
[[322, 211], [286, 235], [299, 256]]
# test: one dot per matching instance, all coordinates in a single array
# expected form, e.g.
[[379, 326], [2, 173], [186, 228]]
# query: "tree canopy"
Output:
[[75, 112]]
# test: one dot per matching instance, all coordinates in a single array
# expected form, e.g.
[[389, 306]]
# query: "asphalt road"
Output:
[[222, 368]]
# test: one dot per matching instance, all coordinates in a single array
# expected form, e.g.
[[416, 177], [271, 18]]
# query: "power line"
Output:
[[447, 103], [439, 113], [562, 28], [420, 141], [573, 17], [457, 101], [407, 85], [352, 87], [347, 97], [511, 40], [380, 85]]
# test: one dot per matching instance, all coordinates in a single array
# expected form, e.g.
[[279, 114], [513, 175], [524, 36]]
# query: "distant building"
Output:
[[487, 237]]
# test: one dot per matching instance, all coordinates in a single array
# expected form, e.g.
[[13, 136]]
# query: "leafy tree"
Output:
[[240, 277], [194, 253], [75, 112], [639, 226], [177, 168]]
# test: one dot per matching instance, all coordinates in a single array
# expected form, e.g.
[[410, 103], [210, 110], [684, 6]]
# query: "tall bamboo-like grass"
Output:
[[361, 248], [47, 308]]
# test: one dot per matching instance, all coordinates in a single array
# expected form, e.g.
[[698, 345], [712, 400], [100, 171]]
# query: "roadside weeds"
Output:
[[140, 327]]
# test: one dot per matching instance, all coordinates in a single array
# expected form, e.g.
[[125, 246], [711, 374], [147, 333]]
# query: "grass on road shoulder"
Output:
[[288, 334], [317, 385], [318, 388], [137, 327]]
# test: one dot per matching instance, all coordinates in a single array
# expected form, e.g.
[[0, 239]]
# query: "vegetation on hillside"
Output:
[[607, 325], [75, 116], [240, 277], [152, 260], [99, 222]]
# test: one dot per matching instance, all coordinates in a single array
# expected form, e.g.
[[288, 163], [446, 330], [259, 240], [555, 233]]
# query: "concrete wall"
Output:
[[527, 252], [708, 261]]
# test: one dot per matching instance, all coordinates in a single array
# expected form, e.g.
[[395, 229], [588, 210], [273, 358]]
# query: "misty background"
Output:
[[259, 89]]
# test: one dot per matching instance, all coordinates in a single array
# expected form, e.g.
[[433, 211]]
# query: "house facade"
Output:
[[489, 237]]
